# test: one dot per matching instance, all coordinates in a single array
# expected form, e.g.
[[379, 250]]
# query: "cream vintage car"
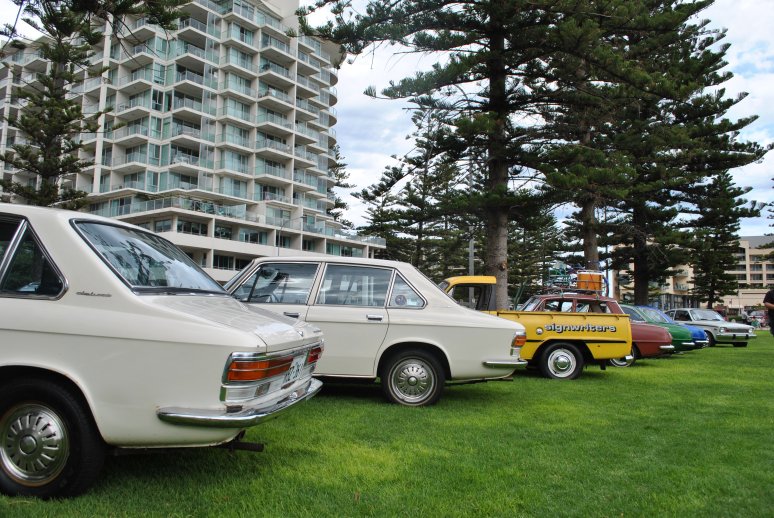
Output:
[[111, 337], [384, 319]]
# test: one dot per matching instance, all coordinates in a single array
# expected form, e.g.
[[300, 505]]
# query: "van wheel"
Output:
[[561, 361], [413, 378], [50, 446]]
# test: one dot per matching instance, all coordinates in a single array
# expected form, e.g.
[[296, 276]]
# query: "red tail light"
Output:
[[314, 355], [255, 370]]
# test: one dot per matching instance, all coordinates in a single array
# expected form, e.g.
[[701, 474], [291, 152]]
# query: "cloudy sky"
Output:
[[370, 131]]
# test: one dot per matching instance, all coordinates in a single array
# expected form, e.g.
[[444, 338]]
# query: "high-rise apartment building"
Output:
[[220, 134]]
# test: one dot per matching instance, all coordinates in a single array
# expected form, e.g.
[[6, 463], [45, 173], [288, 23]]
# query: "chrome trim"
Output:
[[670, 348], [244, 417], [501, 364]]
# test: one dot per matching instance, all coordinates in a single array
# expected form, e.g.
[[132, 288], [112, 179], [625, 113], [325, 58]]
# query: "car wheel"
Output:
[[413, 378], [561, 361], [711, 339], [740, 344], [621, 362], [50, 446]]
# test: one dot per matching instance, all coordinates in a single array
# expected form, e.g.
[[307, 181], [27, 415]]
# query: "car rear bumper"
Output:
[[671, 348], [734, 337], [502, 364], [242, 417]]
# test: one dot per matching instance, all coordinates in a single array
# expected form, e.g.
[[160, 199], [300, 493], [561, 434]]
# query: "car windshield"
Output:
[[706, 314], [656, 316], [145, 261], [531, 304]]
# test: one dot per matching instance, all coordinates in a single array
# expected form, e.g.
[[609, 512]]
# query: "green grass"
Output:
[[691, 435]]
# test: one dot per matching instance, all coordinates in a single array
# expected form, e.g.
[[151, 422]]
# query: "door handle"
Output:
[[290, 314], [377, 318]]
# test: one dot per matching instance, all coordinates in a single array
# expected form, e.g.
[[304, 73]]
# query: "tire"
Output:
[[50, 446], [561, 361], [413, 378], [621, 362], [711, 339]]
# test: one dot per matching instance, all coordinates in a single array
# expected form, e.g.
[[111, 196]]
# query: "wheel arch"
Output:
[[10, 373], [402, 346], [580, 344]]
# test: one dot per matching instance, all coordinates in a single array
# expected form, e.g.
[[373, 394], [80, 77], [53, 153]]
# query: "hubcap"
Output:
[[561, 363], [412, 380], [34, 447]]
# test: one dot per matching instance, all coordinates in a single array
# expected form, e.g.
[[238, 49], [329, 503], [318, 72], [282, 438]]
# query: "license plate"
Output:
[[295, 368]]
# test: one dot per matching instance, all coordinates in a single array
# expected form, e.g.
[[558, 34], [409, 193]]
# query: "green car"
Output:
[[682, 338]]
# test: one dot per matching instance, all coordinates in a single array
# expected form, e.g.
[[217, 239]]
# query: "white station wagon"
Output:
[[384, 319], [111, 337]]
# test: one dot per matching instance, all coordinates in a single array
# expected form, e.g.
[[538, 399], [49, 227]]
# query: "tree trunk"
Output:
[[640, 257], [589, 232]]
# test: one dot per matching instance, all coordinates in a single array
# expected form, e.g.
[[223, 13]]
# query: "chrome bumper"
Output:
[[734, 337], [671, 348], [241, 418]]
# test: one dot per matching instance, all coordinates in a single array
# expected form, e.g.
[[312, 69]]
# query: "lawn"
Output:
[[691, 435]]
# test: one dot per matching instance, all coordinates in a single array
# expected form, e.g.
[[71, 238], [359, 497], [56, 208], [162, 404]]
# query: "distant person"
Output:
[[768, 301]]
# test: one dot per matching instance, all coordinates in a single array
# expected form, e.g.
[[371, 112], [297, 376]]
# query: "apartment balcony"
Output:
[[304, 159], [274, 124], [133, 163], [244, 15], [35, 61], [139, 81], [138, 30], [192, 28], [134, 109], [306, 135], [278, 51], [237, 117], [306, 65], [306, 89], [186, 136], [188, 164], [275, 199], [241, 92], [270, 175], [272, 149], [238, 65], [274, 100], [131, 136], [189, 55], [276, 75], [304, 181], [235, 142], [310, 44], [244, 41], [190, 109], [140, 55]]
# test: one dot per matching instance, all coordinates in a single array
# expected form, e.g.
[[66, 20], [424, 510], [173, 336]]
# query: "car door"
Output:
[[281, 287], [349, 307]]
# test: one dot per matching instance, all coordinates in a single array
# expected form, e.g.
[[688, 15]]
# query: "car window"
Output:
[[7, 231], [681, 315], [591, 306], [564, 306], [463, 294], [279, 283], [30, 272], [634, 316], [404, 296], [147, 262], [348, 285]]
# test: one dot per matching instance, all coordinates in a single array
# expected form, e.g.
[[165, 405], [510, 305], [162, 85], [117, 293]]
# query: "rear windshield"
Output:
[[145, 261]]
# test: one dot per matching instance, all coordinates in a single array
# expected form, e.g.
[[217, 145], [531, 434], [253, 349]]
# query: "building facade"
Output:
[[220, 135], [754, 273]]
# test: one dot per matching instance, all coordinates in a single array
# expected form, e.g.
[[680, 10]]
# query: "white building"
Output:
[[224, 138]]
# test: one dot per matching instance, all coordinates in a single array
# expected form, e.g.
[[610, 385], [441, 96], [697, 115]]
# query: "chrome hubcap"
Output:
[[34, 444], [412, 380], [561, 363]]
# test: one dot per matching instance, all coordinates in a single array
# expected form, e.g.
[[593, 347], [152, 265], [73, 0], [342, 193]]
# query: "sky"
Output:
[[370, 131]]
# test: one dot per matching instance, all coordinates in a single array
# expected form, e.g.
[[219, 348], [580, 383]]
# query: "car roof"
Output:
[[331, 259], [55, 213]]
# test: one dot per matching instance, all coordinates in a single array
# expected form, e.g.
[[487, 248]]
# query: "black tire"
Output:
[[412, 377], [711, 339], [562, 361], [50, 446]]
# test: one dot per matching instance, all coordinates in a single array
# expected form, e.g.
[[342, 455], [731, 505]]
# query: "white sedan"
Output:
[[384, 319], [111, 337]]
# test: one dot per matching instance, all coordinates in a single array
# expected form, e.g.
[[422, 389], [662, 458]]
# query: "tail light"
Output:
[[255, 370], [519, 340], [314, 354]]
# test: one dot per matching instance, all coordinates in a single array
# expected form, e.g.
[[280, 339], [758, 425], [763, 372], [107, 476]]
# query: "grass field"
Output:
[[691, 435]]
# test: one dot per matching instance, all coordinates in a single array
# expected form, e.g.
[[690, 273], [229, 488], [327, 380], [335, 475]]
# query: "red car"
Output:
[[648, 341]]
